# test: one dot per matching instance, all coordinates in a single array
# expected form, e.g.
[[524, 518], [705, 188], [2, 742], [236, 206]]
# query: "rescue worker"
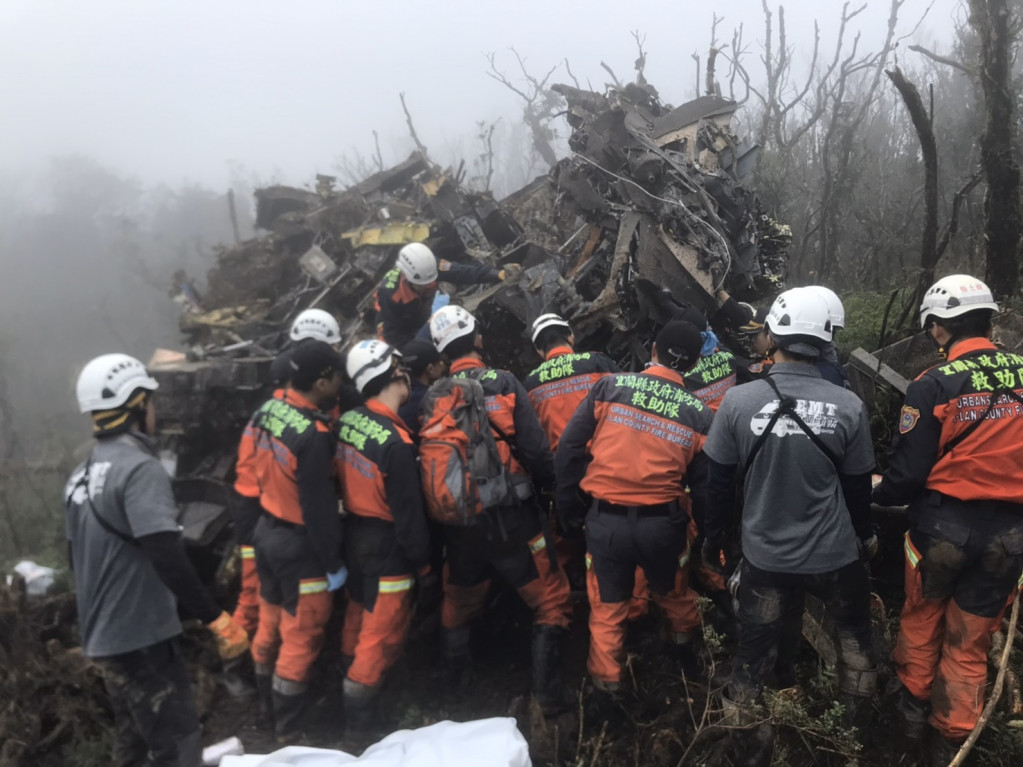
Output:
[[404, 299], [716, 371], [831, 369], [801, 449], [955, 462], [131, 571], [562, 381], [555, 389], [310, 325], [425, 366], [511, 540], [298, 535], [624, 461], [386, 541], [759, 342]]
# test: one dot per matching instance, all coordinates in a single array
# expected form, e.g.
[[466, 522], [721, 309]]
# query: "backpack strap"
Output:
[[786, 406]]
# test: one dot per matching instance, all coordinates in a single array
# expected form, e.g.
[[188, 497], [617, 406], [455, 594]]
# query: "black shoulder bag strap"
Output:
[[786, 406], [83, 482], [953, 443]]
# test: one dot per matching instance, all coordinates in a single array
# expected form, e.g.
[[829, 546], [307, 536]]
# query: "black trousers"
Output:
[[769, 603], [154, 710]]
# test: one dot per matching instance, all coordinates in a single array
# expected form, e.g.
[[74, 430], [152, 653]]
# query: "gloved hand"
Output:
[[231, 638], [429, 590], [510, 272], [337, 580], [710, 554], [869, 547]]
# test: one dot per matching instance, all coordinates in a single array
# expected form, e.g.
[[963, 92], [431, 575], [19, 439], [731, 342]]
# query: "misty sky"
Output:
[[171, 91]]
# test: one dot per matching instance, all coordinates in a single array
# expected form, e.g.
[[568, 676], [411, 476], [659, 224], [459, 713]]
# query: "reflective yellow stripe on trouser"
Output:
[[247, 552], [312, 585], [395, 584], [538, 544], [912, 555], [683, 560]]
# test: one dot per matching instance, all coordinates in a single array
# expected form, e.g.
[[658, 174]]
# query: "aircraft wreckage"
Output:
[[651, 199]]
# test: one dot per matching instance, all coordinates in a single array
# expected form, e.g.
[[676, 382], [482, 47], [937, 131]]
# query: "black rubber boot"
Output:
[[750, 746], [548, 688], [264, 691], [856, 693], [457, 656], [360, 715], [290, 701], [723, 617], [911, 711], [940, 751], [686, 651]]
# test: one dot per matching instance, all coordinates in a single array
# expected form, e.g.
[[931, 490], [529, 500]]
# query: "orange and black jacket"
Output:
[[291, 461], [376, 464], [558, 386], [712, 377], [636, 440], [940, 405], [520, 438], [401, 312]]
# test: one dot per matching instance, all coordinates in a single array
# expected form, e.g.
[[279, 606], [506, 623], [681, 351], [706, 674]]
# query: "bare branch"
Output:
[[412, 127], [942, 59], [568, 69], [641, 57], [498, 75], [378, 156], [614, 77]]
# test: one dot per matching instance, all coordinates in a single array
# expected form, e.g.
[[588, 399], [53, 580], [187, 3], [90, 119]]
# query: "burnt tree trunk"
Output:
[[992, 20], [928, 147]]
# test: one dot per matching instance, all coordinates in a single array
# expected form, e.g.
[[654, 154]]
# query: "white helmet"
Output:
[[545, 321], [799, 321], [449, 323], [835, 308], [317, 324], [368, 360], [954, 295], [417, 262], [107, 382]]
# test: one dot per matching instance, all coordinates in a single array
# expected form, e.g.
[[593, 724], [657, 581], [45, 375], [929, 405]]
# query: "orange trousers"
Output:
[[289, 644], [608, 620], [375, 637], [941, 655], [526, 566], [246, 612]]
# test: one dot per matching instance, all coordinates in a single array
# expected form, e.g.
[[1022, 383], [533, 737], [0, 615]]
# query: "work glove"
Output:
[[711, 553], [231, 638], [429, 590], [868, 547], [510, 272], [337, 580]]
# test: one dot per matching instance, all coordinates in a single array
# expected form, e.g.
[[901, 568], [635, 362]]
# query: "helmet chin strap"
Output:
[[942, 349]]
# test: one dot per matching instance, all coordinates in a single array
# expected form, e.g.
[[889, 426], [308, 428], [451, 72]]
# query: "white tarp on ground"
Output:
[[484, 743]]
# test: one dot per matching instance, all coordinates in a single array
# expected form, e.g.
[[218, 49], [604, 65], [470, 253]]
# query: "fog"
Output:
[[126, 123]]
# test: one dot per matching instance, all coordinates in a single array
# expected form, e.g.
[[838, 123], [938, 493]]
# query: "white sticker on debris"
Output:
[[38, 579], [493, 742]]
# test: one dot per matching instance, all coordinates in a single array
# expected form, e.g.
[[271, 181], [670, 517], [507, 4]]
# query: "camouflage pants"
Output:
[[154, 711]]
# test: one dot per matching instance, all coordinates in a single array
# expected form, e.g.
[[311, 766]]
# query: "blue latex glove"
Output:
[[710, 343], [337, 580]]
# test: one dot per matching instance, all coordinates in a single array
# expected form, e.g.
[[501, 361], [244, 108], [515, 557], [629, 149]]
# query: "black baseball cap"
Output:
[[678, 344], [311, 361], [418, 354]]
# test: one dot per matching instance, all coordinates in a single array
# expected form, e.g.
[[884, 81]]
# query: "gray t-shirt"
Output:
[[795, 519], [122, 603]]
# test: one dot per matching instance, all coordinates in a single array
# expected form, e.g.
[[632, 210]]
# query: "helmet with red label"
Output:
[[953, 296]]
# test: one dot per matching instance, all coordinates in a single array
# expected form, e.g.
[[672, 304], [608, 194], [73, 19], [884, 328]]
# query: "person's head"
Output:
[[378, 371], [955, 308], [799, 326], [455, 332], [117, 391], [835, 308], [423, 361], [418, 266], [677, 346], [317, 325], [550, 331], [316, 372], [756, 332]]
